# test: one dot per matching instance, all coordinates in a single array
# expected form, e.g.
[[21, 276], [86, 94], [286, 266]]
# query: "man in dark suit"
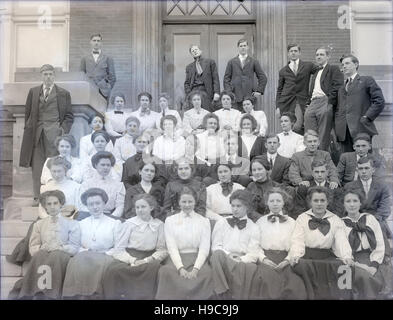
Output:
[[360, 101], [346, 167], [293, 85], [239, 75], [324, 86], [99, 67], [202, 75], [279, 165], [48, 114]]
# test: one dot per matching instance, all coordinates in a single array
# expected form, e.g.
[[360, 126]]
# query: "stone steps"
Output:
[[8, 245], [14, 228], [29, 213]]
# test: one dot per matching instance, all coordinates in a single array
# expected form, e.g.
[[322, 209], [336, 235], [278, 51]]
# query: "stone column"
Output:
[[271, 51], [146, 43]]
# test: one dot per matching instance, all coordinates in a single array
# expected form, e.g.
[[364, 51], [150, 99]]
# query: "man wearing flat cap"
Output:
[[48, 114]]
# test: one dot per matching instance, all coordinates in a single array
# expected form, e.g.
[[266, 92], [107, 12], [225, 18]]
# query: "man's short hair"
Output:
[[241, 41], [194, 45], [318, 163], [290, 115], [291, 45], [272, 135], [47, 67], [354, 59], [362, 136], [96, 35], [327, 50], [366, 159], [310, 133]]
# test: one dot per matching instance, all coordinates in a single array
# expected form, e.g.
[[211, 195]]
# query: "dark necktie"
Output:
[[119, 112], [286, 133], [347, 85], [322, 225], [46, 93], [360, 226], [241, 224], [273, 218], [96, 52], [227, 188], [138, 156], [271, 163]]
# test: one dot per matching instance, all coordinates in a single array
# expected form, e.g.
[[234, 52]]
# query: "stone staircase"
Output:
[[12, 231]]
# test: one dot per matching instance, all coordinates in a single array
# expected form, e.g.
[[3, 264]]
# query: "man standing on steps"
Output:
[[48, 114], [239, 75], [202, 76], [99, 67]]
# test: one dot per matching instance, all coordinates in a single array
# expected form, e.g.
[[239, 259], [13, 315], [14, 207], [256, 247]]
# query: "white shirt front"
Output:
[[290, 144], [115, 122], [124, 148], [86, 147], [148, 121], [168, 149], [271, 157], [292, 65], [366, 185], [228, 118], [261, 119], [318, 92]]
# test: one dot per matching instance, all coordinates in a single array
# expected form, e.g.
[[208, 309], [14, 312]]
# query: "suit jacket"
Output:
[[101, 73], [294, 88], [346, 167], [209, 77], [279, 172], [240, 80], [31, 120], [331, 80], [364, 98]]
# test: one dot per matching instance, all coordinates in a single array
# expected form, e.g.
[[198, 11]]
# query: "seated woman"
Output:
[[193, 118], [317, 241], [260, 116], [102, 162], [64, 145], [261, 183], [252, 145], [58, 168], [218, 194], [147, 172], [138, 254], [235, 247], [54, 240], [186, 275], [86, 147], [368, 248], [276, 231], [211, 143], [99, 233], [227, 114], [169, 146], [185, 172], [114, 119], [100, 140], [124, 147], [164, 101]]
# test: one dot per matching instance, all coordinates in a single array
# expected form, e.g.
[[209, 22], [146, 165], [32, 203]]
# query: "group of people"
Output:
[[208, 204]]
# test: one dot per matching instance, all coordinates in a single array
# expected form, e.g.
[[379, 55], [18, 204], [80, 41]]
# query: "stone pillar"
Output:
[[146, 44], [271, 51]]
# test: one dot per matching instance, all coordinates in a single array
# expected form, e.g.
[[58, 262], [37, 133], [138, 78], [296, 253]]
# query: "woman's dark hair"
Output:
[[150, 200], [146, 94], [59, 161], [114, 96], [143, 164], [92, 192], [66, 137], [99, 115], [102, 133], [252, 99], [285, 196], [244, 196], [52, 193], [168, 117], [183, 160], [188, 191], [227, 93], [207, 117], [317, 189], [259, 160], [357, 192], [254, 123], [102, 155]]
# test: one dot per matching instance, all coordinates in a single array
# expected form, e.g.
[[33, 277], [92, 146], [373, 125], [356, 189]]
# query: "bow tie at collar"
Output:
[[360, 227], [323, 225], [274, 216], [286, 133], [142, 113], [96, 52], [241, 224], [152, 224], [227, 188], [119, 112]]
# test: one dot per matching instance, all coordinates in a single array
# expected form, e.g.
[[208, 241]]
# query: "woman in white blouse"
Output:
[[114, 119], [366, 239], [138, 254], [193, 118], [227, 115], [319, 247], [99, 233], [164, 101], [235, 246], [86, 147], [64, 145], [218, 194], [169, 147], [251, 144], [54, 240], [124, 147], [186, 275], [260, 116], [276, 231]]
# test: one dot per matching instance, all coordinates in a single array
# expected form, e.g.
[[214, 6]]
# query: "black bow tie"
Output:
[[286, 133], [360, 226], [241, 224], [322, 225], [96, 52], [138, 156], [319, 68], [227, 188], [273, 218], [119, 112]]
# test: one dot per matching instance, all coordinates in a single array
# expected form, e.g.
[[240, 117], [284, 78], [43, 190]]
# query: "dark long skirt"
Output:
[[234, 279], [365, 285], [171, 286], [121, 281], [84, 275], [319, 269], [271, 283], [45, 275]]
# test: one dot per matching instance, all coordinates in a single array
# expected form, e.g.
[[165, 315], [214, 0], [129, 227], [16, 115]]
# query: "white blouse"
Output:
[[187, 234], [115, 123], [86, 147], [141, 235], [148, 121], [244, 242], [211, 147], [74, 173], [335, 239], [168, 149], [378, 253], [100, 234], [228, 117], [216, 202], [88, 172], [275, 235], [192, 119], [179, 124], [124, 148], [290, 144], [261, 119]]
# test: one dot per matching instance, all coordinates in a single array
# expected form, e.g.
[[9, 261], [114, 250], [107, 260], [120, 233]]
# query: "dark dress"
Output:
[[258, 190]]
